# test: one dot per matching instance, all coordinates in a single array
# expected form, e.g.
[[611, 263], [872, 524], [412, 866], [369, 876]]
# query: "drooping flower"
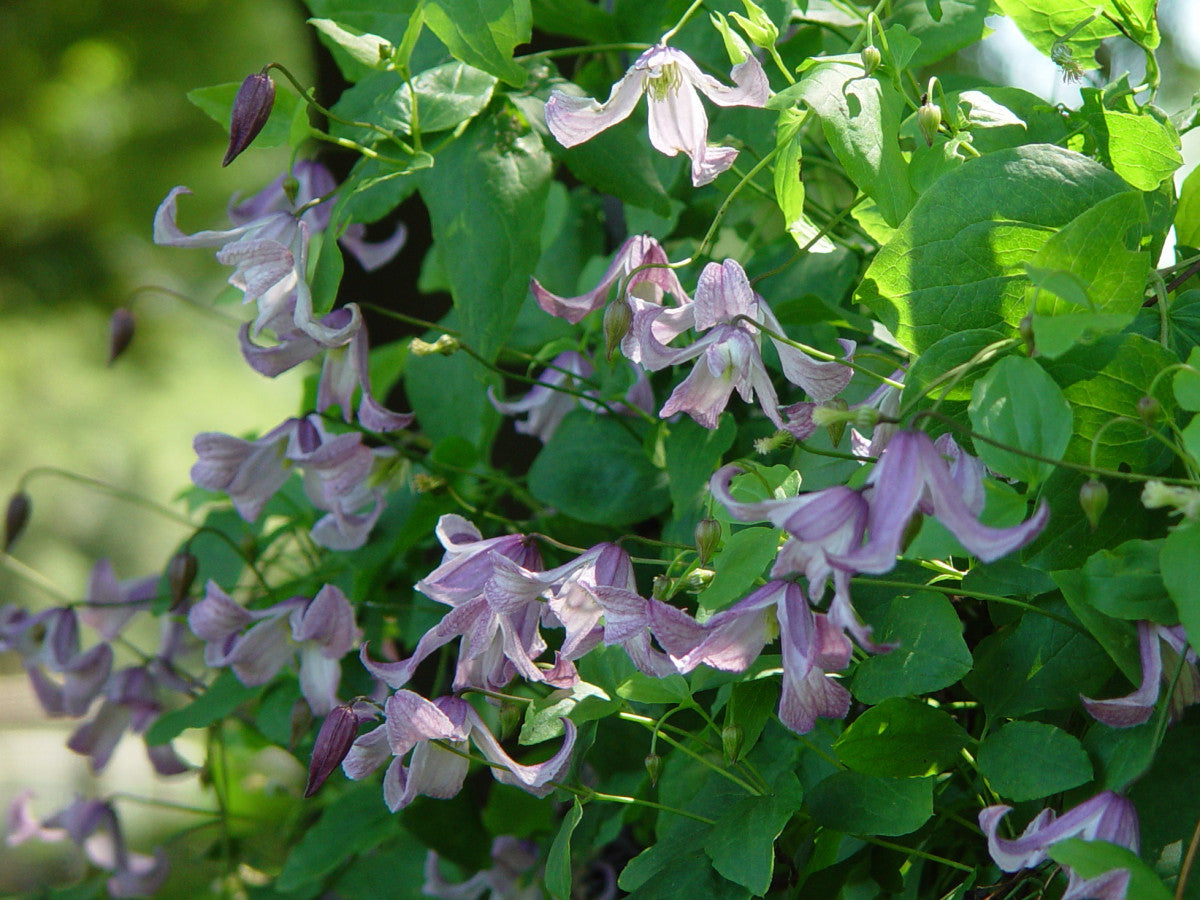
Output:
[[65, 677], [110, 604], [1105, 817], [670, 80], [250, 472], [1136, 708]]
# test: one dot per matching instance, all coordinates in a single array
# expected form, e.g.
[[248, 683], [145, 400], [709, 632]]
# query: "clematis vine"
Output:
[[1105, 817], [1137, 707], [670, 80], [414, 725]]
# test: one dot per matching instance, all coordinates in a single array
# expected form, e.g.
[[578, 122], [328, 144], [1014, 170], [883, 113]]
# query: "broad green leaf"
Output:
[[741, 844], [789, 188], [1020, 406], [558, 862], [857, 803], [446, 97], [575, 18], [1178, 559], [931, 654], [960, 24], [642, 688], [394, 869], [1123, 583], [1186, 383], [901, 738], [1041, 663], [1121, 755], [751, 704], [1168, 795], [595, 471], [743, 558], [483, 33], [858, 114], [1070, 540], [1090, 859], [543, 717], [1044, 22], [221, 698], [372, 190], [430, 381], [1140, 148], [1104, 380], [353, 823], [327, 275], [956, 262], [1187, 214], [217, 103], [387, 20], [486, 197], [1030, 760], [617, 161], [951, 352], [1099, 251], [368, 49], [682, 877], [693, 453]]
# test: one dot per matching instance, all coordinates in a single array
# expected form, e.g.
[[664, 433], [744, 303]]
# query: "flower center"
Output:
[[666, 82]]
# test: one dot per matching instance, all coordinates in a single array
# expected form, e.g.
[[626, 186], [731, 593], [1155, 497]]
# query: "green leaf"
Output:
[[1186, 383], [960, 24], [1045, 21], [372, 190], [223, 696], [1180, 551], [789, 188], [742, 843], [368, 49], [575, 18], [1187, 213], [1104, 380], [327, 275], [956, 262], [859, 116], [447, 96], [1141, 149], [1091, 859], [1020, 406], [353, 823], [595, 471], [931, 654], [486, 198], [1030, 760], [950, 352], [430, 380], [857, 803], [217, 103], [901, 738], [743, 557], [642, 688], [558, 862], [1123, 583], [1099, 252], [1168, 796], [483, 33], [693, 453], [394, 870], [750, 706], [618, 161], [511, 810], [543, 717]]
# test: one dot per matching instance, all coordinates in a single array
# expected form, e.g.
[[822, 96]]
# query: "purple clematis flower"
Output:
[[110, 604], [1105, 817], [1136, 708], [48, 643], [670, 80], [256, 644], [250, 472], [414, 723], [733, 638]]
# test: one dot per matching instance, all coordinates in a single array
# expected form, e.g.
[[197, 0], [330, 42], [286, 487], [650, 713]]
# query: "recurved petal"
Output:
[[573, 120]]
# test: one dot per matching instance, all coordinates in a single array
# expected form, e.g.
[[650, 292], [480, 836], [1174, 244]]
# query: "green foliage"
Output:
[[1030, 760]]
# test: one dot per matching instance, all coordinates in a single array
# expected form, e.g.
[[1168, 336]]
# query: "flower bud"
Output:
[[1093, 497], [696, 580], [445, 345], [758, 27], [1149, 409], [833, 415], [617, 319], [708, 538], [334, 740], [929, 117], [181, 573], [120, 332], [662, 587], [871, 58], [251, 109], [654, 766], [15, 518], [291, 189], [732, 738], [1025, 329]]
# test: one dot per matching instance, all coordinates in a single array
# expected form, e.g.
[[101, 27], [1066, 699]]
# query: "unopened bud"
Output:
[[1025, 329], [424, 483], [120, 332], [708, 538], [15, 518], [654, 766], [833, 415], [181, 573], [661, 587], [445, 345], [757, 25], [617, 319], [1149, 409], [732, 738], [291, 189], [696, 580], [334, 740], [1093, 497], [929, 117], [871, 58], [777, 441], [251, 109]]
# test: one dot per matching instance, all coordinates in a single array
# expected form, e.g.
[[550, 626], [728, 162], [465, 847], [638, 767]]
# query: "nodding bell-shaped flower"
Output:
[[251, 109], [1136, 708], [670, 80]]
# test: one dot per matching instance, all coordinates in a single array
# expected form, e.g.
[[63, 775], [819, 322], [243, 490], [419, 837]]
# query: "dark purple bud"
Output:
[[1093, 497], [120, 332], [654, 766], [15, 518], [337, 733], [307, 436], [181, 573], [251, 109], [708, 538]]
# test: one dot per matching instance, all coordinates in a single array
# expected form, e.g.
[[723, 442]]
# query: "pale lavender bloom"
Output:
[[733, 638], [414, 723], [650, 283], [321, 630], [885, 400], [913, 475], [110, 604], [1105, 817], [512, 860], [56, 651], [1136, 708], [669, 79], [250, 472], [93, 825]]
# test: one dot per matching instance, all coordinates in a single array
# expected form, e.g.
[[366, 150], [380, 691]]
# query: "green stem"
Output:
[[913, 851], [585, 49], [975, 595], [724, 773], [953, 376], [683, 20], [586, 794], [32, 576], [712, 229], [105, 488], [184, 298]]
